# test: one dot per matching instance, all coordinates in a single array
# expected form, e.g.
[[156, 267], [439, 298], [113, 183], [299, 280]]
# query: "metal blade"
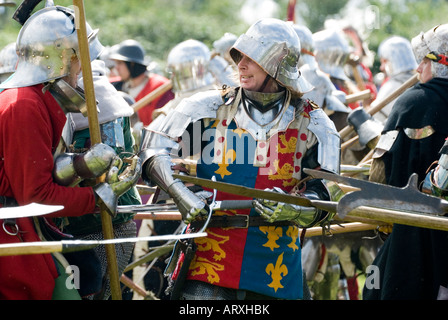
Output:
[[170, 207], [408, 198], [147, 208], [30, 210]]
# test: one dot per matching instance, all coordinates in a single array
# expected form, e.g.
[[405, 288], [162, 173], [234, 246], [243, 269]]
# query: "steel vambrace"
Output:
[[160, 172], [71, 168]]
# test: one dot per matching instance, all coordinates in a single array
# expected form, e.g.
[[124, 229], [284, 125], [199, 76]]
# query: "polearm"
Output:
[[378, 105], [95, 137], [152, 95], [391, 216], [65, 246], [362, 95]]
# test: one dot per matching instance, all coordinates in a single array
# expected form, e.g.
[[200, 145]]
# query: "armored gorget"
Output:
[[259, 112]]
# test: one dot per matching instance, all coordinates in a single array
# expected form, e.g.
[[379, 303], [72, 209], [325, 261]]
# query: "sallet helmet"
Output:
[[307, 45], [275, 47], [45, 45], [399, 55], [188, 66], [331, 50]]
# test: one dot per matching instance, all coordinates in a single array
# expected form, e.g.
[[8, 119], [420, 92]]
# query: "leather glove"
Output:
[[117, 184], [273, 211]]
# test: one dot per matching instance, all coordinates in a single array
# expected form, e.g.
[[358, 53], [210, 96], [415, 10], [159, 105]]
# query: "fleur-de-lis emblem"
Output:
[[228, 158], [276, 273]]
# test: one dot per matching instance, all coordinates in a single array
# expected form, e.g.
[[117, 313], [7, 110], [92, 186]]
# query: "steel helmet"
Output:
[[398, 53], [275, 47], [223, 44], [8, 60], [331, 50], [433, 44], [306, 44], [187, 63], [45, 45], [129, 50]]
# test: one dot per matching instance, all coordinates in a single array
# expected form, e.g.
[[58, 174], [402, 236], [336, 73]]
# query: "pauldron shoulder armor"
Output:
[[329, 149]]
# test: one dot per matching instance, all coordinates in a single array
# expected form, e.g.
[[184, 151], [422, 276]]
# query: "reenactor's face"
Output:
[[75, 70], [424, 69], [251, 74], [122, 70]]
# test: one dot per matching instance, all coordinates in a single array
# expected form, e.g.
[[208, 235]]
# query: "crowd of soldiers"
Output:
[[256, 111]]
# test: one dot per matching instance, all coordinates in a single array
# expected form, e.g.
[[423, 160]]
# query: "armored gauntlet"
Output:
[[367, 128], [160, 172], [274, 211], [116, 184]]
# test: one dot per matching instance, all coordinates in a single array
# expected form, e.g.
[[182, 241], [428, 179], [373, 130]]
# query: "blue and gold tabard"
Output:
[[266, 260]]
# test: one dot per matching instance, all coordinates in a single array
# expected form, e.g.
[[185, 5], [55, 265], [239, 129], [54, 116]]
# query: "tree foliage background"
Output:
[[160, 24]]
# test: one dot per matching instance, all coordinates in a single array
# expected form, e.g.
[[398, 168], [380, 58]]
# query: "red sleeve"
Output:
[[29, 129]]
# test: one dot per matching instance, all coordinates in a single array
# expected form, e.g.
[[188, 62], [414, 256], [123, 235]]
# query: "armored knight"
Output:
[[258, 135], [51, 69], [324, 93], [398, 64], [192, 69], [325, 263], [35, 106]]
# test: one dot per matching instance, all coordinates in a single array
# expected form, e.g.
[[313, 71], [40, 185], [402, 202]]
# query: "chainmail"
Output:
[[123, 254]]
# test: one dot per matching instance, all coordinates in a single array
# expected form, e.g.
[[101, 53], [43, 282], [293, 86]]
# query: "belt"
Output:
[[240, 221], [8, 202]]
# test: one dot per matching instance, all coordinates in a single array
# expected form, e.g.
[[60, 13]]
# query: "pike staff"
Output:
[[378, 105], [95, 137]]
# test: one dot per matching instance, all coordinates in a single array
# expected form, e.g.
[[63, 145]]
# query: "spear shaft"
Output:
[[95, 137]]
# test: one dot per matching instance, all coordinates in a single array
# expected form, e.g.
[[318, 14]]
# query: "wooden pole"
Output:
[[151, 96], [362, 95], [378, 105], [343, 228], [95, 137], [138, 289]]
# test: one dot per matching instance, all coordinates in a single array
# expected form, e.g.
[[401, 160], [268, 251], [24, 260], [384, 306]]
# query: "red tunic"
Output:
[[31, 124], [145, 113]]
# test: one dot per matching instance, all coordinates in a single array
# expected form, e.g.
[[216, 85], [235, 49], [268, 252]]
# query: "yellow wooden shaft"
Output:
[[95, 137]]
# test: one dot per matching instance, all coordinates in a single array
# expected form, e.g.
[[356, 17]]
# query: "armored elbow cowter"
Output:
[[71, 168], [159, 171]]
